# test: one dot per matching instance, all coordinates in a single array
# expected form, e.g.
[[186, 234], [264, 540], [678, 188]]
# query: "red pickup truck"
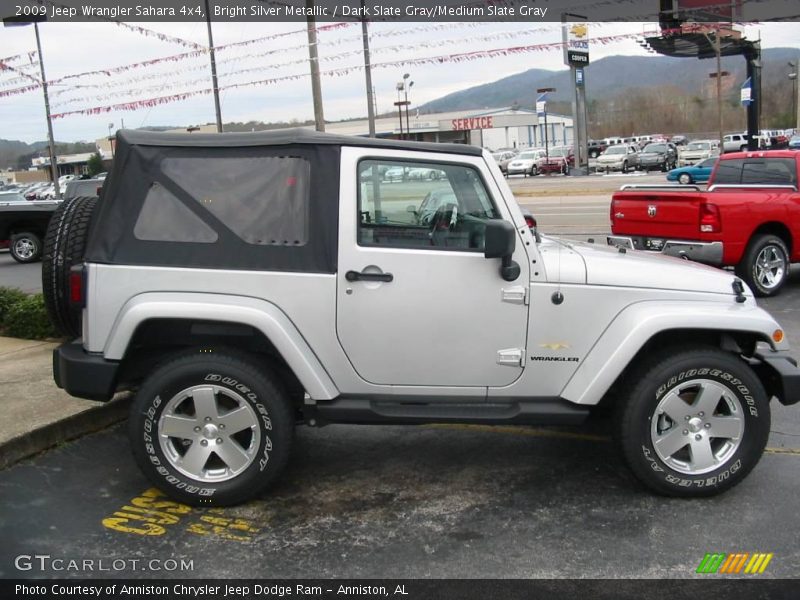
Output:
[[748, 218]]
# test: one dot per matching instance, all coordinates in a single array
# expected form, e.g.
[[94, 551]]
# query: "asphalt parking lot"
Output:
[[410, 502]]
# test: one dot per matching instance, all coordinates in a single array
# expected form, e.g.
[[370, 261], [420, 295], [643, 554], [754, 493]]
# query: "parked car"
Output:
[[734, 142], [748, 219], [23, 225], [83, 187], [558, 160], [596, 148], [263, 319], [502, 159], [794, 142], [612, 141], [622, 157], [698, 151], [679, 140], [527, 162], [697, 173], [658, 155]]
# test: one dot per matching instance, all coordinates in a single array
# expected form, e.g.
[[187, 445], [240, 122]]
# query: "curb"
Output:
[[58, 432]]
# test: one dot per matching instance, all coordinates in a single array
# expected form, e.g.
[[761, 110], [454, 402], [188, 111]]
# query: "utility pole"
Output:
[[718, 49], [407, 86], [313, 58], [367, 70], [543, 99], [50, 143], [214, 81]]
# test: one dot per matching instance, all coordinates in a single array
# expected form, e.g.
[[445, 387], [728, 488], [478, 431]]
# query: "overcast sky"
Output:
[[71, 48]]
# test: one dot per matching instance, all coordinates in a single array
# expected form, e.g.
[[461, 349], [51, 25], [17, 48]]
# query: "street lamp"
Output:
[[111, 139], [795, 94], [402, 86], [540, 91]]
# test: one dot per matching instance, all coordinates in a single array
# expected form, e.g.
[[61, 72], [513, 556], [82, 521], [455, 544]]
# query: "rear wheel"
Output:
[[765, 265], [211, 429], [64, 246], [694, 423], [26, 247], [685, 178], [625, 167]]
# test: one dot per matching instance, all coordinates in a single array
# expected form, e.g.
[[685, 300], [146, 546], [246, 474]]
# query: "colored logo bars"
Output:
[[732, 564]]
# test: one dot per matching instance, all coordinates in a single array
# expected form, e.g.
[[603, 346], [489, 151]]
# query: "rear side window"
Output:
[[263, 199], [757, 171]]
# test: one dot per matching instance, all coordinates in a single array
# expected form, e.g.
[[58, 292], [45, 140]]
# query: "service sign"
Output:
[[578, 59]]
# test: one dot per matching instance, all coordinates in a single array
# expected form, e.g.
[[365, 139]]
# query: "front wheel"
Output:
[[26, 247], [685, 178], [694, 423], [211, 429], [624, 167], [765, 265]]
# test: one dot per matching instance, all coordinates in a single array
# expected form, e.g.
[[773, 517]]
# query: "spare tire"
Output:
[[64, 246]]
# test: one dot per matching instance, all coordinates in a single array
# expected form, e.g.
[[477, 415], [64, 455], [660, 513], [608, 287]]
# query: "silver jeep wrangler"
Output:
[[245, 283]]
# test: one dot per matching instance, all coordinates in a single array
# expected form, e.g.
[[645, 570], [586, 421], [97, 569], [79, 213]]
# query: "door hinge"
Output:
[[515, 295], [511, 357]]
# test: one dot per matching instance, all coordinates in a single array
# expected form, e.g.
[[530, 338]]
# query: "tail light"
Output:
[[611, 211], [530, 221], [77, 286], [710, 221]]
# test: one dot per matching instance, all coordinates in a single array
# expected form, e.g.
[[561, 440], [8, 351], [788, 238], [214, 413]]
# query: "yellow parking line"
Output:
[[790, 451]]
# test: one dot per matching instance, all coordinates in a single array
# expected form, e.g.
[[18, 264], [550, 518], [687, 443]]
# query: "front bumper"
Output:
[[689, 161], [615, 166], [780, 375], [519, 170], [652, 162], [82, 374], [709, 253]]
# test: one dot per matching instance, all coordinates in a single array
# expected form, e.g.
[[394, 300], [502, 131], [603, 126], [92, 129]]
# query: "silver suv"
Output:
[[243, 284]]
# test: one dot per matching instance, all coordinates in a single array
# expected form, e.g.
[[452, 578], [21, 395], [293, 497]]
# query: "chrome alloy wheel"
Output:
[[697, 427], [24, 248], [209, 433], [770, 266]]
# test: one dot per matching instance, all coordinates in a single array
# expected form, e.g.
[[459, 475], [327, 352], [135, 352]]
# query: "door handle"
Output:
[[361, 276]]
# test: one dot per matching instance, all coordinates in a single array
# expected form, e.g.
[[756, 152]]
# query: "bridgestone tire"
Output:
[[64, 246], [653, 383], [231, 374], [25, 247], [767, 247]]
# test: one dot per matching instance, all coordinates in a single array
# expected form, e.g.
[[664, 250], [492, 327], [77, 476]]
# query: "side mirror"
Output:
[[500, 242]]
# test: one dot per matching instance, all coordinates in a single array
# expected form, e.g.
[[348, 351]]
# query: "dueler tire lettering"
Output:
[[672, 369], [260, 389]]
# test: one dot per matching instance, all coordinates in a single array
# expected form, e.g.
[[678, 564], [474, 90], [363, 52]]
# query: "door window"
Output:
[[422, 205]]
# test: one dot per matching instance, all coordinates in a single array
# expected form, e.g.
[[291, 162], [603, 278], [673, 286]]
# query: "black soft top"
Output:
[[282, 137]]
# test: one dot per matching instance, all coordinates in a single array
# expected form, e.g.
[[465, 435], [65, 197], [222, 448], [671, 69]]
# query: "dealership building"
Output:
[[491, 128]]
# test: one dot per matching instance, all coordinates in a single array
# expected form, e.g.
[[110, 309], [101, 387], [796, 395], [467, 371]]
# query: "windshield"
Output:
[[616, 150], [698, 146], [562, 152], [497, 156], [528, 155], [655, 148]]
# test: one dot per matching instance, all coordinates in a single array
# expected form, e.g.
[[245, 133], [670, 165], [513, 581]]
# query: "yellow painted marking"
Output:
[[754, 563], [518, 430], [152, 513], [765, 563]]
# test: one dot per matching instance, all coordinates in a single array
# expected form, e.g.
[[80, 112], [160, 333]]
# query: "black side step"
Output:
[[542, 411]]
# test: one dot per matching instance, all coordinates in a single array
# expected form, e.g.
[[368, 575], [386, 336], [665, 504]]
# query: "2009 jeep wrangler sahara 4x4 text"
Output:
[[243, 283]]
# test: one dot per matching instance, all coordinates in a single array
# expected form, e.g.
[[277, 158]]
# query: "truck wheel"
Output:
[[694, 423], [685, 178], [64, 246], [211, 429], [26, 247], [765, 265], [624, 167]]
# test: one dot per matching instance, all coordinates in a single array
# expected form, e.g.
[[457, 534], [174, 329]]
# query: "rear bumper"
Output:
[[780, 375], [82, 374], [709, 253]]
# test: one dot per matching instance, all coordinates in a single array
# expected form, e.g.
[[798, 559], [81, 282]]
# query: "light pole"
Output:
[[51, 146], [214, 80], [793, 76], [401, 87], [540, 91], [111, 139]]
